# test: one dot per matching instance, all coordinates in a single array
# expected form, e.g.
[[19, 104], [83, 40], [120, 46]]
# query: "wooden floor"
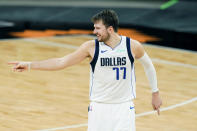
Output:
[[39, 100]]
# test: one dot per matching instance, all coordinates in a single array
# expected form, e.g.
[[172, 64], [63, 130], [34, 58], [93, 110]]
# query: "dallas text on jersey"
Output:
[[113, 61]]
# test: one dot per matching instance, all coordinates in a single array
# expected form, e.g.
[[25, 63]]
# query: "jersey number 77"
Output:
[[118, 70]]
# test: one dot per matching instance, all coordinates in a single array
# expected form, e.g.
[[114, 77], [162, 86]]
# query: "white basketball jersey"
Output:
[[112, 75]]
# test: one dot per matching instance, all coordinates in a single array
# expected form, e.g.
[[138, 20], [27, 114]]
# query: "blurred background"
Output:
[[171, 23]]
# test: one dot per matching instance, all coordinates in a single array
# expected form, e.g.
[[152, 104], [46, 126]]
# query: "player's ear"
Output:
[[110, 29]]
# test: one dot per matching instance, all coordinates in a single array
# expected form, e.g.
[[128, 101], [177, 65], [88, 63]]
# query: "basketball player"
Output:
[[112, 77]]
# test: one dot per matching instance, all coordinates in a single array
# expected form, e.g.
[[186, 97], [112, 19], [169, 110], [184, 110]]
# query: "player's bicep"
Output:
[[77, 56]]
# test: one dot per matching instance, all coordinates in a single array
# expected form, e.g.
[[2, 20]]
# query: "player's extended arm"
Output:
[[55, 63], [149, 69]]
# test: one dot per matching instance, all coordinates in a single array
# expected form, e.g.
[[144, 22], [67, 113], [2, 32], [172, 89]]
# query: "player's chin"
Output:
[[99, 39]]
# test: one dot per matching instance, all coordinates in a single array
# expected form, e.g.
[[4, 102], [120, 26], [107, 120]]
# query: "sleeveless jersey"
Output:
[[112, 75]]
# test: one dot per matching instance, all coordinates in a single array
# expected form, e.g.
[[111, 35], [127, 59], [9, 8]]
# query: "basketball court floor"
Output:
[[58, 100]]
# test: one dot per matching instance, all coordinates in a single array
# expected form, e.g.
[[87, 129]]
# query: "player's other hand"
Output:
[[20, 66], [156, 102]]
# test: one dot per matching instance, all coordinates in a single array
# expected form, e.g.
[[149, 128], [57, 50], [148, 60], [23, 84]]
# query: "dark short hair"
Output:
[[108, 17]]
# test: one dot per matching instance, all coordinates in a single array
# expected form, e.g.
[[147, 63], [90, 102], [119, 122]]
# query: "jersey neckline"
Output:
[[116, 45]]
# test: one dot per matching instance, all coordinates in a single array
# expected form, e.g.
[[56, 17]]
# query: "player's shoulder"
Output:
[[135, 44], [136, 48], [133, 41], [89, 44]]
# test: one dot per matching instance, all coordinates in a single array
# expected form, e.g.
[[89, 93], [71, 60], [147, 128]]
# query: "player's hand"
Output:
[[156, 102], [20, 66]]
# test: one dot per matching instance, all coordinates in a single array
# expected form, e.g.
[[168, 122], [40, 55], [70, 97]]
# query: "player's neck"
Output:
[[114, 40]]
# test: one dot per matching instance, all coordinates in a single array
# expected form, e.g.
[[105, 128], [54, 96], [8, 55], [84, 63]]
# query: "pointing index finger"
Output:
[[158, 111], [12, 62]]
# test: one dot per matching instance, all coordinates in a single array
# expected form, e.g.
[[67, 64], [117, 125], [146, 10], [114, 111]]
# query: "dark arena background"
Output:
[[168, 23]]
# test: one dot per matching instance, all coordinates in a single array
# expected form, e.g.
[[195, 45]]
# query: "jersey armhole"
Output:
[[96, 53], [128, 42]]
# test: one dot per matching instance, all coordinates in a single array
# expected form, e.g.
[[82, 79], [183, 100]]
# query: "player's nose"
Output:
[[94, 31]]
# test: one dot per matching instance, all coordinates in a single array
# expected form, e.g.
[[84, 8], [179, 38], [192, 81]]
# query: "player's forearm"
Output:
[[150, 72], [153, 79], [50, 64]]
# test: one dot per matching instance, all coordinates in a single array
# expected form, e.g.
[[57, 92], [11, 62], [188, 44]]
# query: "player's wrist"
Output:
[[155, 90], [155, 93], [29, 65], [26, 64]]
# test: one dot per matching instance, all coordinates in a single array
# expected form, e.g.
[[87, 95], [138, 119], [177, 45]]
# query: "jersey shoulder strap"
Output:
[[128, 43], [96, 54]]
